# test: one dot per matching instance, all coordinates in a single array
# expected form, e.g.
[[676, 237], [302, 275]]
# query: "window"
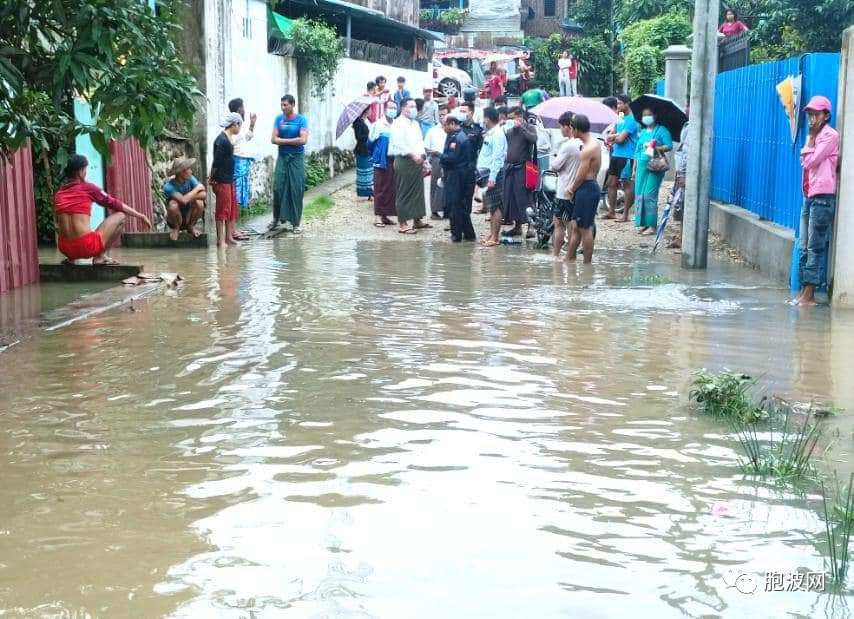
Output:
[[549, 8]]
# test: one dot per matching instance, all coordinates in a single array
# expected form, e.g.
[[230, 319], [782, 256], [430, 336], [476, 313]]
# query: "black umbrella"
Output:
[[667, 112]]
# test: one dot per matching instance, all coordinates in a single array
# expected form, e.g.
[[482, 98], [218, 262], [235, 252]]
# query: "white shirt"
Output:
[[241, 142], [566, 164], [435, 139], [563, 67], [493, 154], [406, 138]]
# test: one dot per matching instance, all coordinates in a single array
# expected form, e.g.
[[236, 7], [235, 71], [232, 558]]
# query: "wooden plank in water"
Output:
[[79, 273], [161, 240]]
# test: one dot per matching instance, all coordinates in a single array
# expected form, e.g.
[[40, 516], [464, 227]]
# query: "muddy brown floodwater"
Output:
[[334, 428]]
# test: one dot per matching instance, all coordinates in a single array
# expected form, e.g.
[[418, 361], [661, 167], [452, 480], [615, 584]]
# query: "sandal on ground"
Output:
[[107, 261], [436, 217], [408, 231], [489, 243], [379, 224], [388, 221], [480, 211], [422, 226], [511, 232]]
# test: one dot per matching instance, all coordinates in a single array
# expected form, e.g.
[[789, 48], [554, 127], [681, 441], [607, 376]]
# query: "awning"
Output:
[[368, 16], [279, 32]]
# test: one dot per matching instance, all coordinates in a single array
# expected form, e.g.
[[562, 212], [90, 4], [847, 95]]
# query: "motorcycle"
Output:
[[541, 213]]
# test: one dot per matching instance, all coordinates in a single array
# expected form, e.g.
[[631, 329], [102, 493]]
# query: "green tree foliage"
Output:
[[642, 69], [630, 11], [594, 59], [115, 54], [318, 49], [658, 32]]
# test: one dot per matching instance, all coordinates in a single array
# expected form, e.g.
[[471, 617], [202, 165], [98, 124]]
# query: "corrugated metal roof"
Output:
[[492, 24]]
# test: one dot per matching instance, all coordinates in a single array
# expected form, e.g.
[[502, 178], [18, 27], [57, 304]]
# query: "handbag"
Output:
[[532, 176], [658, 163]]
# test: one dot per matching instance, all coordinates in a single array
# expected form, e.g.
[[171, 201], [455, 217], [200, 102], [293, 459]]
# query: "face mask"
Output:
[[648, 120], [390, 115], [413, 114]]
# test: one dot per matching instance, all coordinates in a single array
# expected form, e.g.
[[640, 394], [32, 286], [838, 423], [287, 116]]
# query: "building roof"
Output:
[[509, 23], [370, 16]]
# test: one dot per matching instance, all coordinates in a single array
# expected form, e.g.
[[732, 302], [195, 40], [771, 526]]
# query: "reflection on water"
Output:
[[405, 429]]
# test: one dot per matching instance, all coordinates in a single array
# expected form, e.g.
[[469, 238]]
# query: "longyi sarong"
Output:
[[517, 198], [410, 189], [364, 176], [289, 188], [243, 180], [384, 192]]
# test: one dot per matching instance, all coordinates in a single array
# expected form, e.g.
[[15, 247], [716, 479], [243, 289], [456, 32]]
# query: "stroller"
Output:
[[541, 214]]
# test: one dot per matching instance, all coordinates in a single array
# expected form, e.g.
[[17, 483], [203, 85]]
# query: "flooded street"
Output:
[[334, 428]]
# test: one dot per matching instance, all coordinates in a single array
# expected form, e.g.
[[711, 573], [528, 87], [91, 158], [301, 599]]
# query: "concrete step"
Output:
[[161, 240], [82, 273]]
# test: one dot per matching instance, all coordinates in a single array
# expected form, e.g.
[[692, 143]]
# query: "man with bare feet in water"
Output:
[[73, 203], [185, 198], [584, 191]]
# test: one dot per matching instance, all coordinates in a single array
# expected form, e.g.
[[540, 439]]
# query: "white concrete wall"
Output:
[[350, 81], [238, 65]]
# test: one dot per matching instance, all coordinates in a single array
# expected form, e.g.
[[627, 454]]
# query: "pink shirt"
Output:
[[819, 163], [730, 28]]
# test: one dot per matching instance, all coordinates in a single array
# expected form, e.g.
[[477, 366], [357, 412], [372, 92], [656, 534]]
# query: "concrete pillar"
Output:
[[676, 59], [842, 284], [704, 70]]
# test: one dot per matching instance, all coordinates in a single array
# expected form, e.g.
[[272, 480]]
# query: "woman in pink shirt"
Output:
[[819, 159], [732, 25]]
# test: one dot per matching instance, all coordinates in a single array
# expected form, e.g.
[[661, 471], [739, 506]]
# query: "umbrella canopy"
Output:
[[667, 112], [600, 116], [353, 110]]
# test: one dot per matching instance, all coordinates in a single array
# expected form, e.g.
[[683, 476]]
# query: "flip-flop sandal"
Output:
[[109, 262], [422, 226], [387, 221], [489, 243], [409, 231], [379, 224]]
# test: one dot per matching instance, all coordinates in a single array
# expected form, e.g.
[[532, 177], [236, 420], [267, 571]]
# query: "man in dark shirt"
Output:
[[521, 142], [222, 180], [456, 169], [474, 133]]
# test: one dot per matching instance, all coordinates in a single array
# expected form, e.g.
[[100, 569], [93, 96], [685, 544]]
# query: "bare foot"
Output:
[[222, 245], [647, 232], [104, 260], [173, 233]]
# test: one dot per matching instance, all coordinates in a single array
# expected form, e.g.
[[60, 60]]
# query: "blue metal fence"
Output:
[[755, 165]]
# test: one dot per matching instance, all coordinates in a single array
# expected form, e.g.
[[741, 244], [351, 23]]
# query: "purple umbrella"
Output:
[[600, 116], [353, 110]]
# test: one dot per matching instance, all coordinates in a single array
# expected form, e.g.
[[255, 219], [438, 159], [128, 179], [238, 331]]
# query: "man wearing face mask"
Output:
[[407, 147], [819, 158], [384, 185]]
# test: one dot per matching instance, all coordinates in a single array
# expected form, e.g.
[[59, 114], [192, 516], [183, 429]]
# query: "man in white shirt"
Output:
[[434, 144], [243, 156], [566, 165], [407, 147]]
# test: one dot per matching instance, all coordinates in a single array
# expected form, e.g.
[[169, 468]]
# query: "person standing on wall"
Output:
[[243, 158], [407, 147], [819, 159], [567, 74], [221, 179], [290, 134], [434, 145], [456, 168]]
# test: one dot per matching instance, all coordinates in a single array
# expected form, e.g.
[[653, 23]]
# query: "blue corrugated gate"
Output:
[[755, 165]]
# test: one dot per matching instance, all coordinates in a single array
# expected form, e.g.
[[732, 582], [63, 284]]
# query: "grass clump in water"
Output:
[[786, 453], [838, 524], [726, 394], [319, 207]]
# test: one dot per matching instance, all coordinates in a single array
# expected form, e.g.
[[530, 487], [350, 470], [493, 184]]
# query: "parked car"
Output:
[[449, 81]]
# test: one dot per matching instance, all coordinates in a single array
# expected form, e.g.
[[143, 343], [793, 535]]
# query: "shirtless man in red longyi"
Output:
[[73, 203]]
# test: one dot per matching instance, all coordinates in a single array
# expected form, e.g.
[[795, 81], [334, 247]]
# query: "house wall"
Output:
[[401, 10], [19, 259], [322, 112], [541, 26]]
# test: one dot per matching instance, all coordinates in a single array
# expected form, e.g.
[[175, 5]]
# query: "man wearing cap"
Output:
[[819, 158], [222, 180], [185, 198], [428, 117]]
